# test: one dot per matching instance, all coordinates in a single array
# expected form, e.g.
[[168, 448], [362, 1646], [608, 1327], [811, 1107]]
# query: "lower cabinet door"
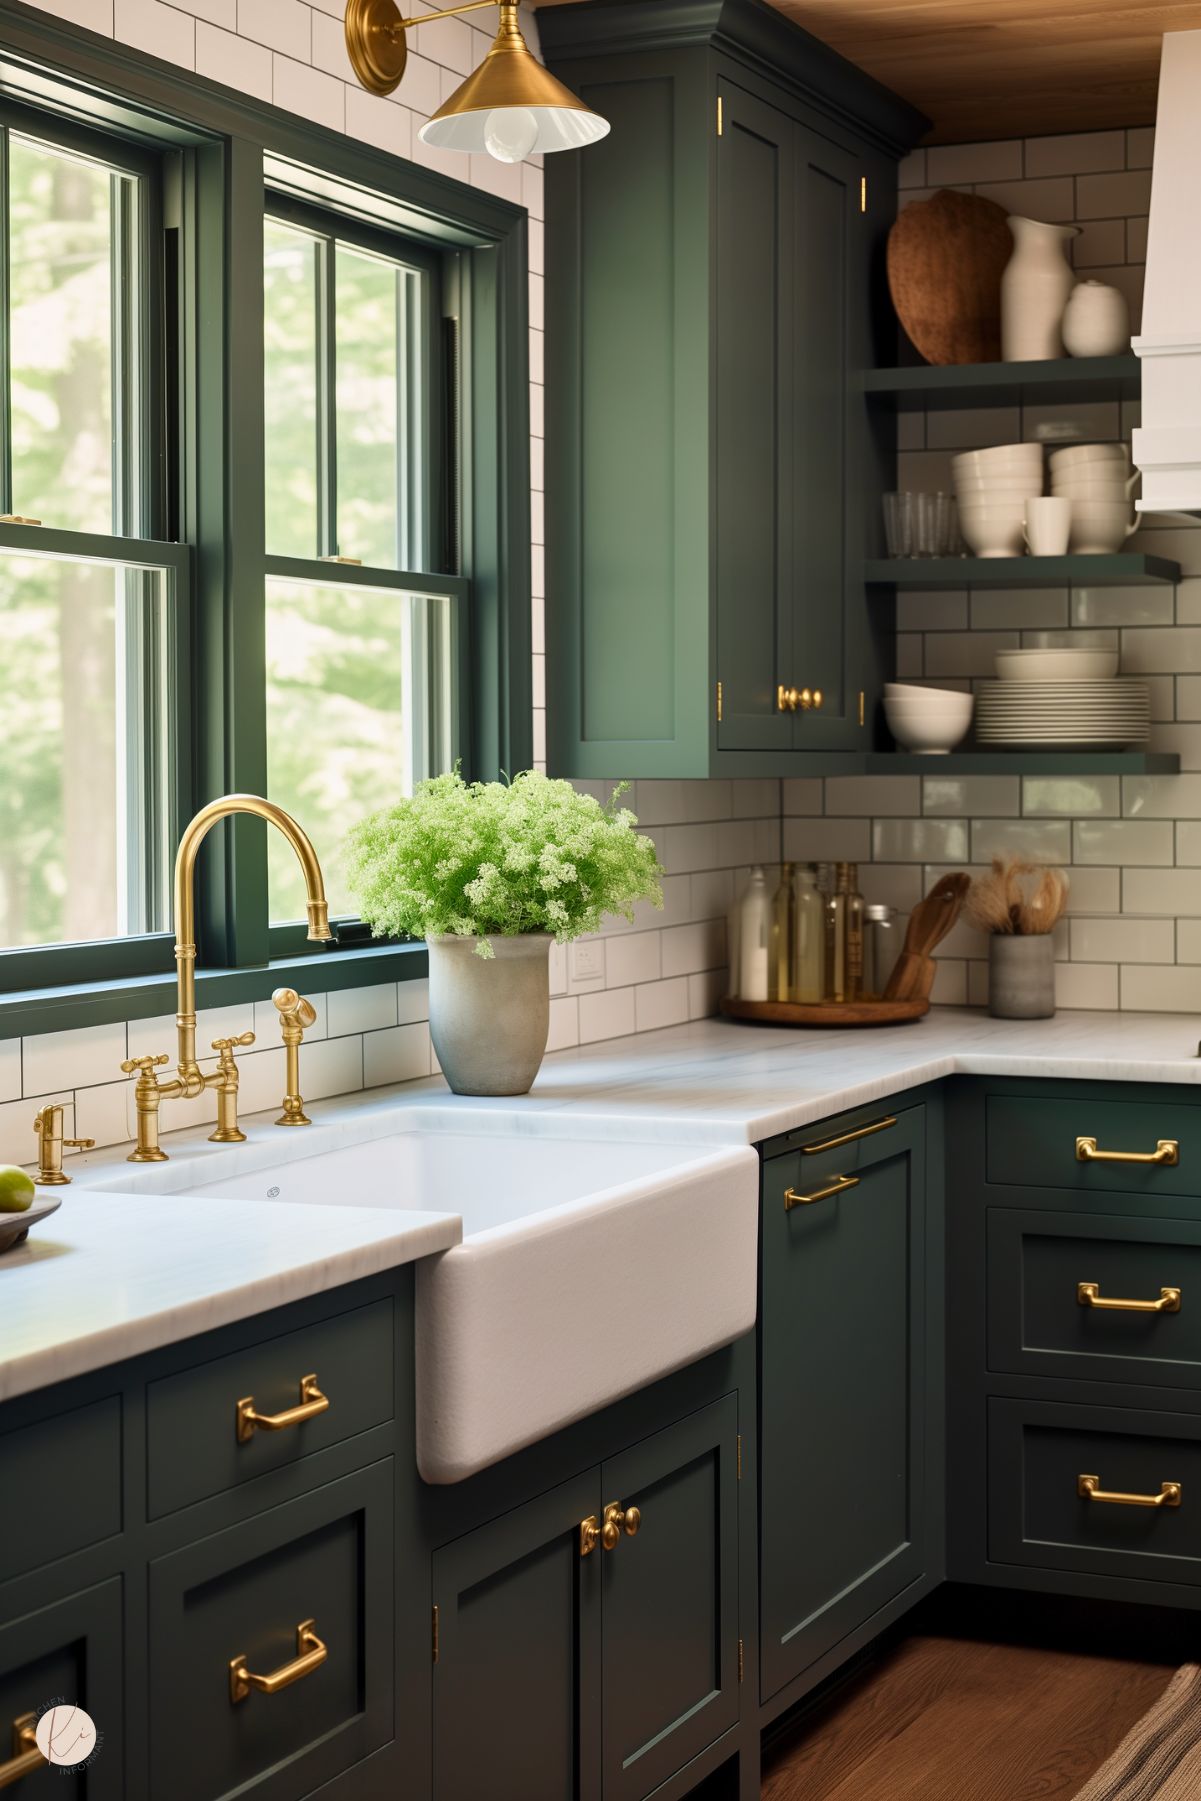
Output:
[[843, 1376], [271, 1647], [65, 1656], [517, 1677], [669, 1599]]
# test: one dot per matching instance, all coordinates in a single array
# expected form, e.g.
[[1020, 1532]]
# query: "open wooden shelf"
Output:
[[1124, 568], [1014, 384], [1024, 762]]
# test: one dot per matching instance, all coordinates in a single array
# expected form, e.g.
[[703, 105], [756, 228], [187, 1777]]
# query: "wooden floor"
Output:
[[942, 1718]]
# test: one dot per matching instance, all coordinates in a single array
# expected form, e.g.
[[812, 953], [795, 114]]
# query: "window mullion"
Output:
[[327, 401]]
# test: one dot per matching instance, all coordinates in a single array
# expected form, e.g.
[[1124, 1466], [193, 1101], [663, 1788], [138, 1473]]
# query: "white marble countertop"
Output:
[[114, 1274]]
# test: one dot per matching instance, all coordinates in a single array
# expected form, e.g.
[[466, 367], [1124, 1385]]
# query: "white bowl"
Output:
[[997, 503], [1057, 665], [993, 536], [1080, 489], [933, 733], [1099, 527], [913, 691], [1073, 456], [968, 487], [992, 454]]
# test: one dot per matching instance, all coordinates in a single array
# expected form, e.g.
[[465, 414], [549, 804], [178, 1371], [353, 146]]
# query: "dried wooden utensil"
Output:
[[929, 923]]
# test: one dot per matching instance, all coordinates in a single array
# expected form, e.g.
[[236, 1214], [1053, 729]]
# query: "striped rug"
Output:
[[1160, 1757]]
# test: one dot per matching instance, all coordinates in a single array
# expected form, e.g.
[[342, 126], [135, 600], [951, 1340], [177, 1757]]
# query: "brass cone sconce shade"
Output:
[[509, 109]]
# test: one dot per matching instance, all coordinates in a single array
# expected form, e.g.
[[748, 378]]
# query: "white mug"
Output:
[[1048, 526]]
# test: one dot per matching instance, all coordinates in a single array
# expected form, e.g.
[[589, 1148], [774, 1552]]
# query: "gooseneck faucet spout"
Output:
[[185, 908], [190, 1080]]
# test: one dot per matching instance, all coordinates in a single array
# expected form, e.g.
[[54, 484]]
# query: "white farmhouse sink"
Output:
[[588, 1268]]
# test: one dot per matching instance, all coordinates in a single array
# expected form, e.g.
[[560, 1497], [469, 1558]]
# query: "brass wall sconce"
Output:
[[511, 108]]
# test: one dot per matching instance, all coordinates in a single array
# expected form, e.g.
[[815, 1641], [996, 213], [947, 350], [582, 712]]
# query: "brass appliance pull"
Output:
[[311, 1653], [839, 1185], [832, 1144], [311, 1403], [619, 1519], [1167, 1152], [1089, 1489], [26, 1757], [1089, 1295]]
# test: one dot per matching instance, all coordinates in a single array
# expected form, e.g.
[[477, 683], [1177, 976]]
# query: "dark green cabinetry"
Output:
[[711, 468], [577, 1668], [847, 1403], [68, 1651]]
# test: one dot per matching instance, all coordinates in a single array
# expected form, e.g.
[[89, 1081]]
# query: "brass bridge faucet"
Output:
[[190, 1080]]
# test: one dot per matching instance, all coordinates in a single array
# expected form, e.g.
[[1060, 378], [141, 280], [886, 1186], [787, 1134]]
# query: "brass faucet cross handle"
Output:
[[295, 1016], [48, 1124]]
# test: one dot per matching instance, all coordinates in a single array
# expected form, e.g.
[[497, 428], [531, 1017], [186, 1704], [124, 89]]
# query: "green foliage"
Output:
[[469, 860]]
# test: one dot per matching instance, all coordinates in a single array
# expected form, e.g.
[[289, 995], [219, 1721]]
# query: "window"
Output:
[[265, 395], [89, 603], [362, 645]]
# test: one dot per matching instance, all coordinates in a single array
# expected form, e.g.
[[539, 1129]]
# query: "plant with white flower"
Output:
[[499, 859]]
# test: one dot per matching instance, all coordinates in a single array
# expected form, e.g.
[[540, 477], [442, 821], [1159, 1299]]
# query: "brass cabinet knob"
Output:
[[619, 1519], [590, 1535], [798, 700]]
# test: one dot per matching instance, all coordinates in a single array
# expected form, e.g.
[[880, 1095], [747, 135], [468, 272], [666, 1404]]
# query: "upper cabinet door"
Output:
[[669, 1600], [842, 1395], [517, 1678], [754, 449], [831, 467]]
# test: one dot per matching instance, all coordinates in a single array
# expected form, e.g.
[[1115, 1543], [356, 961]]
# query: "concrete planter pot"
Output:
[[489, 1016], [1021, 976]]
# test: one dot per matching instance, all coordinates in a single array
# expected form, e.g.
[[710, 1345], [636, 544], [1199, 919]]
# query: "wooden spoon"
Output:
[[929, 923]]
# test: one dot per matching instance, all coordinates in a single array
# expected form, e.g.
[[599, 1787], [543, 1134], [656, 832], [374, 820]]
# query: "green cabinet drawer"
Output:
[[194, 1445], [68, 1654], [1039, 1454], [61, 1486], [1031, 1142], [1073, 1294], [243, 1595]]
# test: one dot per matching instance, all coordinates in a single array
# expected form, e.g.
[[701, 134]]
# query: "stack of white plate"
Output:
[[1082, 715]]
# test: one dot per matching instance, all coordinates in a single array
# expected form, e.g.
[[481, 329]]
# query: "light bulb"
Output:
[[510, 133]]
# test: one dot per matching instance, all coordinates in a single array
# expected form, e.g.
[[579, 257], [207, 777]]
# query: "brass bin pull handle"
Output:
[[1089, 1295], [311, 1653], [839, 1185], [832, 1144], [1089, 1489], [311, 1403], [1166, 1152], [26, 1757]]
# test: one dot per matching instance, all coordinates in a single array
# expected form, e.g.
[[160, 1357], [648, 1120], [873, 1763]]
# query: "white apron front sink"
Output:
[[588, 1267]]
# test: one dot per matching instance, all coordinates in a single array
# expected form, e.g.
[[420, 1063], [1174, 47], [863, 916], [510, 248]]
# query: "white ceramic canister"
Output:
[[1096, 320], [754, 938], [1035, 286]]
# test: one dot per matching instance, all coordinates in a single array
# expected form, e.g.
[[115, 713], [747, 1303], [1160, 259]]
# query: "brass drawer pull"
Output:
[[311, 1653], [619, 1519], [26, 1757], [832, 1144], [839, 1185], [1089, 1295], [1167, 1152], [1089, 1489], [311, 1403]]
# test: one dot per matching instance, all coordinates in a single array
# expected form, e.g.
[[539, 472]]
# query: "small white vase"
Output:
[[1096, 320], [1035, 286], [489, 1016]]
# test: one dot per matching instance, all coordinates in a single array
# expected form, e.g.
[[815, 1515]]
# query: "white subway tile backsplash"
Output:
[[1124, 606], [298, 88], [1086, 985], [1123, 841], [1072, 796], [1051, 198], [10, 1069], [960, 796], [1167, 891], [52, 1061], [564, 1031], [1140, 146], [932, 610], [608, 1015], [634, 957], [1076, 153], [1004, 609], [828, 840], [871, 794], [689, 949], [360, 1010], [234, 60], [920, 841], [1035, 840], [159, 30], [1146, 988], [954, 165], [659, 1004], [397, 1054], [1125, 940], [1113, 195]]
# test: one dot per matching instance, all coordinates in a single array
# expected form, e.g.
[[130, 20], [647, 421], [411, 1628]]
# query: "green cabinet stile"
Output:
[[712, 472]]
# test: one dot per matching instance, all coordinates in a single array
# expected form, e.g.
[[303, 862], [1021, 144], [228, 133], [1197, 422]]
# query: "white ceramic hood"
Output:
[[1168, 447]]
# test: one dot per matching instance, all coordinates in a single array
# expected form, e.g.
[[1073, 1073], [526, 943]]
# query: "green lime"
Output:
[[16, 1189]]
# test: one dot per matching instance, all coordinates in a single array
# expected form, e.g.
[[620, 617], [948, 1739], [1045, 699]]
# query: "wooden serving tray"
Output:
[[825, 1013]]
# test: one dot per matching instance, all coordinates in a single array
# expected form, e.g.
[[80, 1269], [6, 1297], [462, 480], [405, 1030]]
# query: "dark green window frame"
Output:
[[221, 157]]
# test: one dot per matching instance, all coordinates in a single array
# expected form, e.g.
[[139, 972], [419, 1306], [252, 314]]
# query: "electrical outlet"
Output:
[[587, 961]]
